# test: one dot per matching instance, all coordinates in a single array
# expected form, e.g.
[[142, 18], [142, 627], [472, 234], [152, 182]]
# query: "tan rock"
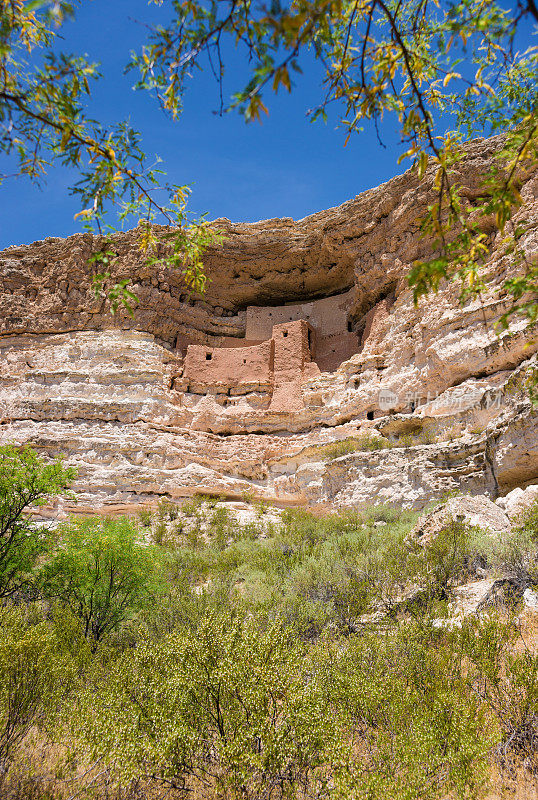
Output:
[[475, 512], [141, 410], [518, 501]]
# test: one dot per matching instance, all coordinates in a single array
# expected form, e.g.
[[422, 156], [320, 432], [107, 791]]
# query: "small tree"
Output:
[[228, 707], [102, 571], [25, 481]]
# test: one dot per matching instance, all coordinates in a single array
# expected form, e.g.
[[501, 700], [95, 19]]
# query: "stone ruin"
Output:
[[283, 347], [270, 382]]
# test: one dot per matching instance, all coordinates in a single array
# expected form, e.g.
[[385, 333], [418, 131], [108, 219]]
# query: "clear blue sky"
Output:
[[285, 167]]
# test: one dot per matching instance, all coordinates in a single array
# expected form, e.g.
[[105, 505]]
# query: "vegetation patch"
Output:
[[367, 441], [188, 655]]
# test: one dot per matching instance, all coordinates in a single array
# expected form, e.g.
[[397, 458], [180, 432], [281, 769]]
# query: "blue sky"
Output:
[[286, 166]]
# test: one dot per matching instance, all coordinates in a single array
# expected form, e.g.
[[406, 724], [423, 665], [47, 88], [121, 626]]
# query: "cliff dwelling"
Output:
[[283, 346], [305, 328]]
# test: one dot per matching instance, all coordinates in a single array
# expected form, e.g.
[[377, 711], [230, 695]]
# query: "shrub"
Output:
[[35, 671], [367, 441], [220, 527], [427, 436], [226, 704], [503, 671], [145, 517], [159, 532], [418, 729], [167, 510], [445, 559], [102, 572], [514, 554], [25, 480], [192, 507]]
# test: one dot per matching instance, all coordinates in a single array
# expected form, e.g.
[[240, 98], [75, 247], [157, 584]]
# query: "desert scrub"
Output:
[[452, 433], [220, 527], [159, 532], [427, 436], [514, 554], [261, 508], [36, 672], [192, 507], [229, 701], [477, 430], [421, 730], [167, 510], [424, 436], [368, 441], [145, 516], [102, 571]]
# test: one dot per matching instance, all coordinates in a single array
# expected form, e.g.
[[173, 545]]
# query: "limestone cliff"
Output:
[[306, 336]]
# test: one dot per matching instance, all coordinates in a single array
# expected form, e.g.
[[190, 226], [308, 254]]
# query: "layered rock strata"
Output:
[[305, 350]]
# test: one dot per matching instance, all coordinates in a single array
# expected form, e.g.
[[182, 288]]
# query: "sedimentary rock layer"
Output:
[[307, 336]]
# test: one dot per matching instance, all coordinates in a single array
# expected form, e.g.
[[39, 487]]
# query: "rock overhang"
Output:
[[343, 273]]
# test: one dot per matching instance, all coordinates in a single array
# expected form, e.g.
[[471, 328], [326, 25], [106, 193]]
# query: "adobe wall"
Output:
[[229, 367], [328, 317], [277, 367], [291, 354]]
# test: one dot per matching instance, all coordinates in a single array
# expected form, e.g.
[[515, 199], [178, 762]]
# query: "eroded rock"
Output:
[[307, 336]]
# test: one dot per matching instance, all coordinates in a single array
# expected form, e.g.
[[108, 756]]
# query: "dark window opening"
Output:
[[284, 333], [369, 415], [244, 361], [309, 338], [208, 356], [349, 327]]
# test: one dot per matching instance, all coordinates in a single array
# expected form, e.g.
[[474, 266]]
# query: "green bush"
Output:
[[503, 671], [445, 559], [418, 730], [167, 510], [246, 662], [25, 480], [36, 671], [368, 441], [145, 517], [512, 554], [103, 572], [226, 705]]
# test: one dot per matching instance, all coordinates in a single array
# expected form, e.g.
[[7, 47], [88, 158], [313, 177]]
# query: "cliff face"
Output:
[[307, 336]]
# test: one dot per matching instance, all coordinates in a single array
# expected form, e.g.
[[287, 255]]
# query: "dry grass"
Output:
[[512, 784]]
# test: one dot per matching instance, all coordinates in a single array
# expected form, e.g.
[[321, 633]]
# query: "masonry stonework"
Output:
[[215, 367], [279, 365], [328, 317], [292, 341], [283, 346]]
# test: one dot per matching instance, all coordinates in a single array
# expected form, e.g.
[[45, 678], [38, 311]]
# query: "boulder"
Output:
[[476, 512], [518, 500]]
